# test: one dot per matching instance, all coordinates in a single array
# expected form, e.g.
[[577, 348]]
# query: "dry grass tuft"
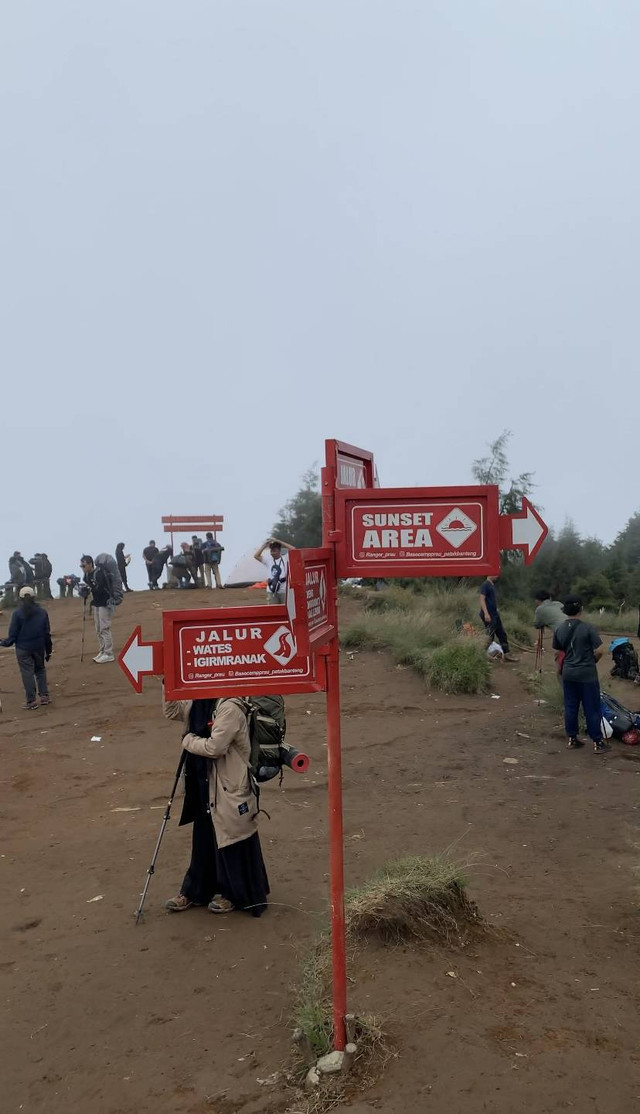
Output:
[[417, 898]]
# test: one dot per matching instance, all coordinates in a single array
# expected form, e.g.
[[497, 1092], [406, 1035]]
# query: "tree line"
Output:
[[603, 575]]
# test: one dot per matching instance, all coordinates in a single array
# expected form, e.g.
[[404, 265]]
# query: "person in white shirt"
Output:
[[277, 564]]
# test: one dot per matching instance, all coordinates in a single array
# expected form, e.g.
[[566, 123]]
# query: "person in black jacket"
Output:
[[99, 579], [30, 633], [122, 560]]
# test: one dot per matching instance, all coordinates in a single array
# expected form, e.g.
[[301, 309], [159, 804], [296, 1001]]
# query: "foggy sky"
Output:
[[230, 230]]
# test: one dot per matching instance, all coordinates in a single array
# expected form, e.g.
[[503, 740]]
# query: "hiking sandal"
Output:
[[178, 904], [221, 904], [574, 743]]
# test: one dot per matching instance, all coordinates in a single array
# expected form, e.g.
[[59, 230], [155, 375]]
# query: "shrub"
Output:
[[415, 898], [460, 666]]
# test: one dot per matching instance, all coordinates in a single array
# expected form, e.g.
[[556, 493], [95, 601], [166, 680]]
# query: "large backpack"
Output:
[[107, 562], [615, 713], [625, 659]]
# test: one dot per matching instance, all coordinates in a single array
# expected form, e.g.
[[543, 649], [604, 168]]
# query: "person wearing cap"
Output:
[[30, 633], [277, 565], [578, 649]]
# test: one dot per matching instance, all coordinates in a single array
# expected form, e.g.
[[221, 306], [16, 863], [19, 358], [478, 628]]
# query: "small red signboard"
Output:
[[418, 531], [320, 596], [353, 467], [228, 651]]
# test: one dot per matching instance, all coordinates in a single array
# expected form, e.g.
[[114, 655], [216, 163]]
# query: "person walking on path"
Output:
[[277, 564], [578, 649], [490, 616], [30, 633], [102, 580], [122, 560]]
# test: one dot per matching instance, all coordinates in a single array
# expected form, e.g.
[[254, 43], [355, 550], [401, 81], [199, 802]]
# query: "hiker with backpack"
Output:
[[578, 649], [227, 856], [212, 553], [102, 581], [30, 633]]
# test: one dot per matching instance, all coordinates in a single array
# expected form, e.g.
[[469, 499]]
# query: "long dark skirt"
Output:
[[237, 872], [242, 876], [201, 880]]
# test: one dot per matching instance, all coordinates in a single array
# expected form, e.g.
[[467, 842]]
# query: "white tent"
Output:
[[248, 571]]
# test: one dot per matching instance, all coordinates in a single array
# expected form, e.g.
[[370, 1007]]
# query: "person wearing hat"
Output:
[[30, 633], [578, 649]]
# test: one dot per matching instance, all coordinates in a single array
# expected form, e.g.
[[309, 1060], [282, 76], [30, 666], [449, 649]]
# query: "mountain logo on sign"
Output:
[[281, 645], [456, 527], [322, 590]]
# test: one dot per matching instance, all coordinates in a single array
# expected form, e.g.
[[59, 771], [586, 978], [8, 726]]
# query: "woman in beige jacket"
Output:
[[242, 881]]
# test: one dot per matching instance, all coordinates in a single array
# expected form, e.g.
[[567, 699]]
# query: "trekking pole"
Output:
[[165, 821], [538, 665], [84, 618]]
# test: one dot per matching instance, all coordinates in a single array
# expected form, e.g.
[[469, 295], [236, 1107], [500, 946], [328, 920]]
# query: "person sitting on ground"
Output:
[[30, 633], [277, 564], [149, 553], [122, 560], [549, 613], [490, 616], [578, 649], [228, 858]]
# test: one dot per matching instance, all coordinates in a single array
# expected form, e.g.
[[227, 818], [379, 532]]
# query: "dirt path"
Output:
[[185, 1014]]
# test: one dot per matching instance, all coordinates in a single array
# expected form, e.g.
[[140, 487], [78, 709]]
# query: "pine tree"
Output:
[[301, 517]]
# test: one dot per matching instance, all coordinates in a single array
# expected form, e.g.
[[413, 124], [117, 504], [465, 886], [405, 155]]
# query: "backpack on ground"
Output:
[[625, 659], [615, 713]]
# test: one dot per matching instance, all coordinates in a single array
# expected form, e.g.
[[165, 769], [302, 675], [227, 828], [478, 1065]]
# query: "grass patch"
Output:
[[429, 642], [460, 666], [624, 622], [417, 898], [546, 688]]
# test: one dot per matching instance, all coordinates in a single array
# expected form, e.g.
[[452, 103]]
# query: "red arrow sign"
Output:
[[140, 659], [525, 531], [224, 652], [417, 531]]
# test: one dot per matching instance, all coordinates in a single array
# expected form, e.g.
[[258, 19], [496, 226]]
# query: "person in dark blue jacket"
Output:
[[30, 633]]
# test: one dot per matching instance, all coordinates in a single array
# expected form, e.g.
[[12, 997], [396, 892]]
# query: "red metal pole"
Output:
[[336, 853]]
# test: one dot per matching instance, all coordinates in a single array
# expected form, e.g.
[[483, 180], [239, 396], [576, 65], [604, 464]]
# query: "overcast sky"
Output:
[[230, 230]]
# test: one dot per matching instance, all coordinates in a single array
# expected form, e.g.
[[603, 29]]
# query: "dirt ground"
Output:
[[189, 1013]]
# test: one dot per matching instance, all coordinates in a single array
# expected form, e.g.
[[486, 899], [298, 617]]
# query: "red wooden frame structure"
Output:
[[192, 524]]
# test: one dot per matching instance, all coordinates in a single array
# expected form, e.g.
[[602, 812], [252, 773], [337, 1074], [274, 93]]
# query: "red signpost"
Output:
[[367, 532]]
